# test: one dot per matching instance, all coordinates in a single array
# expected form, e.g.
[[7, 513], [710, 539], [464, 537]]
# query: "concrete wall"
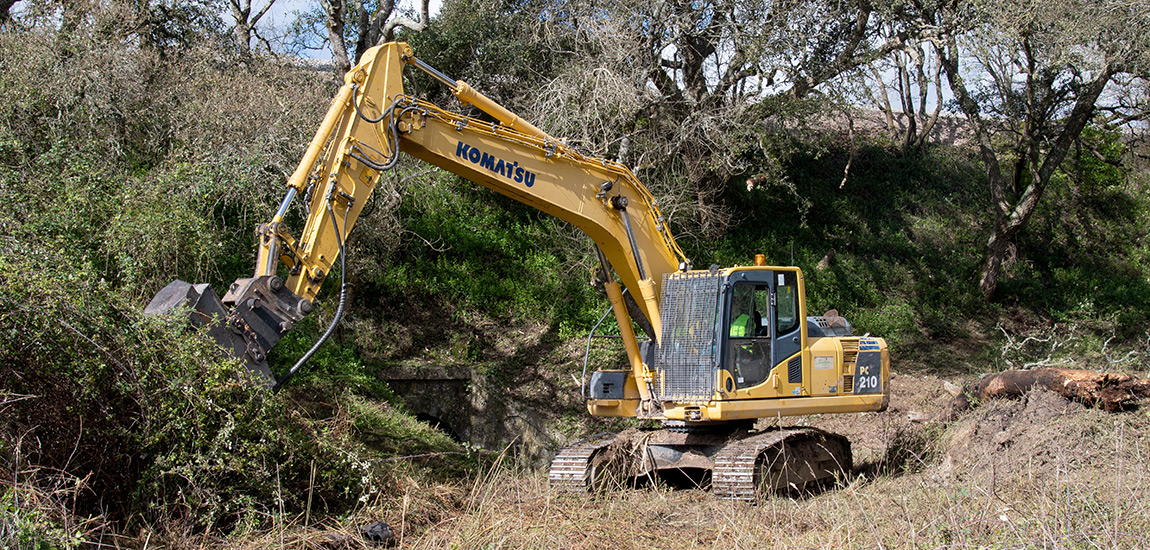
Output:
[[475, 411]]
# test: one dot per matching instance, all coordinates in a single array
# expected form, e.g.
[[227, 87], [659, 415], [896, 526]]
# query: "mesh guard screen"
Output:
[[688, 349]]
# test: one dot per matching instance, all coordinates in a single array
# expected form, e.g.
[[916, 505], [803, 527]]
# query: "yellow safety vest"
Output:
[[743, 327]]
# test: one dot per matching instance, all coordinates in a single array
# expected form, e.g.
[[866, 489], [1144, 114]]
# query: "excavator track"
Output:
[[785, 460], [571, 469]]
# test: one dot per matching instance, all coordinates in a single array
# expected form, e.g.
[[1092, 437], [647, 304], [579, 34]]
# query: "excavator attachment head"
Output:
[[246, 323]]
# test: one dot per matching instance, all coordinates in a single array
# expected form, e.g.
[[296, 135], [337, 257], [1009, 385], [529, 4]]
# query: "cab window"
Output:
[[749, 305], [787, 303]]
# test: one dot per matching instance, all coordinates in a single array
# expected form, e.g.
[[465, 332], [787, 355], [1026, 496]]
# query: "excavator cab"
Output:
[[748, 349], [736, 346]]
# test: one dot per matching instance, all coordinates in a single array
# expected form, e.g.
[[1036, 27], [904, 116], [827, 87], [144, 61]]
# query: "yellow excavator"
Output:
[[728, 346]]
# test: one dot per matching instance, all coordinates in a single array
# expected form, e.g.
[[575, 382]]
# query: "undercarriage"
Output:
[[737, 464]]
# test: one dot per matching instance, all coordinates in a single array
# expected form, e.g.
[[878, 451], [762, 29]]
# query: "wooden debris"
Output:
[[953, 389], [1106, 390], [918, 417]]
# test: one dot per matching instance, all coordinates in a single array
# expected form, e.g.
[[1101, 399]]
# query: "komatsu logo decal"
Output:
[[510, 170]]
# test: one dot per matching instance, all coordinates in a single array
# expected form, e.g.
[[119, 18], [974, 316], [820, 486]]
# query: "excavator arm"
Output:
[[370, 122], [372, 118]]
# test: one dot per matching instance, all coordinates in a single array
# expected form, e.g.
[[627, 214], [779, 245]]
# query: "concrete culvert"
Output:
[[439, 425]]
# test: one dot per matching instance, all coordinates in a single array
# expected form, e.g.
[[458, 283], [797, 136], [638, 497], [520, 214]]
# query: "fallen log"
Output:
[[1108, 391]]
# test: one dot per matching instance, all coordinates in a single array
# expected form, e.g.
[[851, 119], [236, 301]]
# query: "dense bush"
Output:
[[149, 167], [122, 168], [156, 424]]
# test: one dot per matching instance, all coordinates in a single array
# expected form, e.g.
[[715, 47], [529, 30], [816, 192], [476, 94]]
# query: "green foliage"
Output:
[[31, 526], [145, 166], [487, 44], [1085, 252], [168, 428], [336, 362], [469, 258], [491, 256], [122, 169], [884, 249]]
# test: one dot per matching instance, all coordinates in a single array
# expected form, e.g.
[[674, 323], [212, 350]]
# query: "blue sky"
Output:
[[282, 13]]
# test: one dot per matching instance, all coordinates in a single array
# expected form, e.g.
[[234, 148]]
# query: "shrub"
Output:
[[155, 421]]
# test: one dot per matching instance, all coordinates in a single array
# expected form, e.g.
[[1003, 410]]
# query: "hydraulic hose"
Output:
[[338, 311]]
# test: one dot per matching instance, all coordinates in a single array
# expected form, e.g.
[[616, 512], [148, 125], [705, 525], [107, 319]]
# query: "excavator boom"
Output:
[[370, 121]]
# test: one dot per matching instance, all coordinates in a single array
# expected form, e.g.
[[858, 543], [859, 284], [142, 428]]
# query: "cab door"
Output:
[[747, 335]]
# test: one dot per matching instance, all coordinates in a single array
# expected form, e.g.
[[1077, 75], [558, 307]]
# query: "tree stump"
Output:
[[1108, 391]]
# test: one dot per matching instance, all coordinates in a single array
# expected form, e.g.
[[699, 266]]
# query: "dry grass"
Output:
[[1035, 473], [1011, 475], [916, 511]]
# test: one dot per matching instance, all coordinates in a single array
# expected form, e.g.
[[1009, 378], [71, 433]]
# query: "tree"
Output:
[[910, 74], [363, 25], [162, 26], [245, 27], [1029, 76], [492, 53], [695, 93]]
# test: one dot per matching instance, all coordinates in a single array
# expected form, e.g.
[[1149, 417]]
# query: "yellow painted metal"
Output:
[[267, 250], [628, 407], [622, 408], [649, 292], [746, 409], [299, 178], [826, 367], [339, 180], [524, 163], [467, 94], [639, 371]]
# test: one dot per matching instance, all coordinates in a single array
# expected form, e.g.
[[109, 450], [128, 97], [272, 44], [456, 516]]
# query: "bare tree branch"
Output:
[[417, 26]]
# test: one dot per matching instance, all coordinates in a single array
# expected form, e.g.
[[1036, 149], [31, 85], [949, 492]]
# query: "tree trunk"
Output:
[[5, 10], [1105, 390], [246, 22], [243, 34], [336, 12], [998, 250]]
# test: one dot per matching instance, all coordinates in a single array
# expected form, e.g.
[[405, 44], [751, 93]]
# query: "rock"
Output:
[[378, 532]]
